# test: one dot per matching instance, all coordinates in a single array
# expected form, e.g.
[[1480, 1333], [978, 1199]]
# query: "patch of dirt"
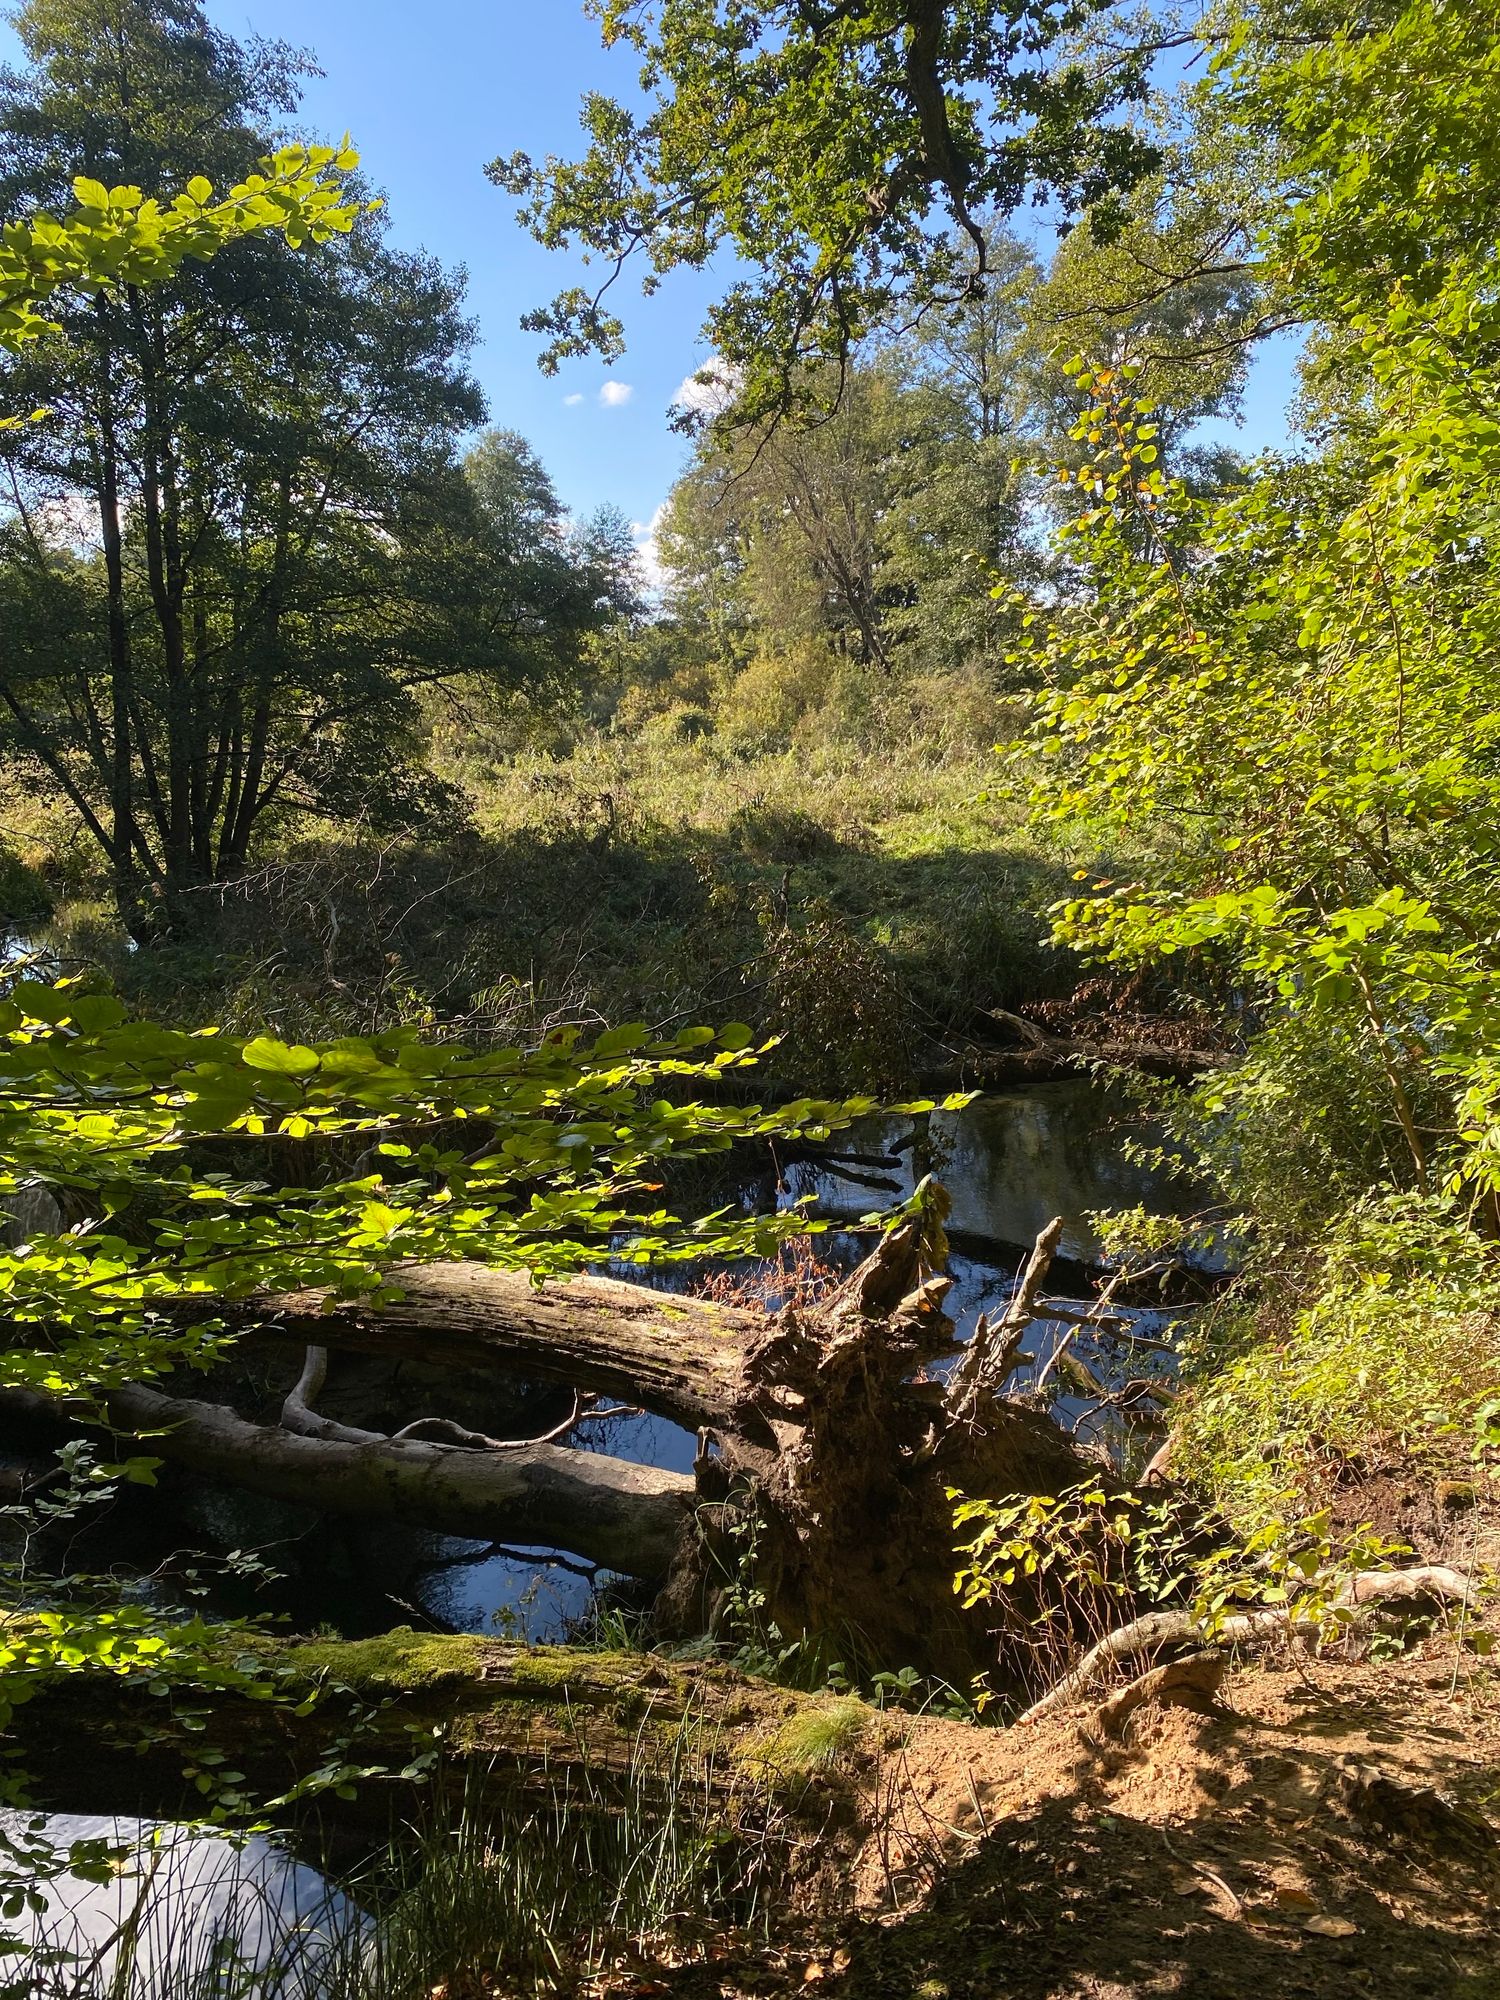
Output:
[[1334, 1831], [1444, 1514]]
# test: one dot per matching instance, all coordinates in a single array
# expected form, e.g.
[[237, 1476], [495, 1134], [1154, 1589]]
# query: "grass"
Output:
[[815, 1738], [858, 899], [573, 1875]]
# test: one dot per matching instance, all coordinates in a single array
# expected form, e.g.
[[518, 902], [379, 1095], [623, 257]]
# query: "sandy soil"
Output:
[[1333, 1832]]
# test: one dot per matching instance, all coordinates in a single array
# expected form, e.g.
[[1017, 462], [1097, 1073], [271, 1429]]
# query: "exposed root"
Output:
[[1192, 1682], [1354, 1596]]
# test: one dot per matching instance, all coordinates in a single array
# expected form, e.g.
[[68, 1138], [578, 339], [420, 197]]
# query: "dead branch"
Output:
[[991, 1353]]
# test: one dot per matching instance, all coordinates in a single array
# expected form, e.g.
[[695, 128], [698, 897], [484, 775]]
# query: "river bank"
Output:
[[1326, 1826], [887, 915]]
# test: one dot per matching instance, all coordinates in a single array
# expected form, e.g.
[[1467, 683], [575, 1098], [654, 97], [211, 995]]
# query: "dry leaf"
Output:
[[1295, 1899], [1331, 1927]]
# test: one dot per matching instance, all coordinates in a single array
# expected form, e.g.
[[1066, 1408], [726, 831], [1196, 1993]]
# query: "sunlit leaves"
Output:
[[116, 236], [1288, 699], [545, 1160], [823, 147]]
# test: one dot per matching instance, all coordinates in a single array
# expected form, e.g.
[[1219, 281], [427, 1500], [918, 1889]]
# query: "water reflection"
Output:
[[1009, 1162]]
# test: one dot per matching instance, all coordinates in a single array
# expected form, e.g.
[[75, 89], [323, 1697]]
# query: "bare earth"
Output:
[[1334, 1832]]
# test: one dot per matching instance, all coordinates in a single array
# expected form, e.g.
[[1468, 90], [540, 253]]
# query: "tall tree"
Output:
[[828, 145], [274, 549]]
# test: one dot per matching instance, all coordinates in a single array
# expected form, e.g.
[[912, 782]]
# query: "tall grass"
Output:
[[531, 1886]]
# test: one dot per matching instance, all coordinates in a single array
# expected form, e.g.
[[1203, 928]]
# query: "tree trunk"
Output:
[[621, 1516]]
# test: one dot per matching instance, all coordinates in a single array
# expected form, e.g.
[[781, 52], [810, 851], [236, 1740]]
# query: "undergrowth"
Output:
[[1383, 1346], [859, 902], [583, 1873]]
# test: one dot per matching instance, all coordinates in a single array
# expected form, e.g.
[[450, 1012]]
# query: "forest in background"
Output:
[[979, 721]]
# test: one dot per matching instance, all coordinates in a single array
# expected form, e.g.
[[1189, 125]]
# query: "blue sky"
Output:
[[429, 94]]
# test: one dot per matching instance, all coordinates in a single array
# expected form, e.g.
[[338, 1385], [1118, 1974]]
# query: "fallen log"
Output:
[[684, 1359], [543, 1721], [827, 1448], [624, 1517]]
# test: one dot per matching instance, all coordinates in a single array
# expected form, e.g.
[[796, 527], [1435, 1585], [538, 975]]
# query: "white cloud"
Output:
[[644, 535], [614, 395], [709, 389], [572, 402]]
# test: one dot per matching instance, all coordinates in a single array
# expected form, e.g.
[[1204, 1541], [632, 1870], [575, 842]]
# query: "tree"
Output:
[[828, 146], [563, 573], [1376, 132], [276, 551], [803, 507]]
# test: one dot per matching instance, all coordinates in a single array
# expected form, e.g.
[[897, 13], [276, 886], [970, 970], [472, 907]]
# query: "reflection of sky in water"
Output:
[[1009, 1164], [473, 1589]]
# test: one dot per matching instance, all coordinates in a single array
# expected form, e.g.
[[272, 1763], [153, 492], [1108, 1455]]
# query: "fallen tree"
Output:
[[623, 1517], [829, 1444], [826, 1447]]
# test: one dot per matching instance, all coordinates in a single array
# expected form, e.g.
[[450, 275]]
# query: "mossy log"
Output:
[[546, 1720]]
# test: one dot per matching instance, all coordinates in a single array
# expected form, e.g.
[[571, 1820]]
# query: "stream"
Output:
[[1009, 1161]]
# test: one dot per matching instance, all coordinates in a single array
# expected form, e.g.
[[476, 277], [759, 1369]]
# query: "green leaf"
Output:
[[279, 1058]]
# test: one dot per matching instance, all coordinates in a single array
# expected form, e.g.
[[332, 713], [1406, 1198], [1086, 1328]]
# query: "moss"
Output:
[[560, 1667], [398, 1662], [814, 1738]]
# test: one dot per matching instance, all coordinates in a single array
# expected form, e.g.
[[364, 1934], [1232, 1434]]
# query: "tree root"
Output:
[[1355, 1596], [1191, 1682]]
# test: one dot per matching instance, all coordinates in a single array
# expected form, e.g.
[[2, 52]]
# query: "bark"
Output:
[[685, 1359]]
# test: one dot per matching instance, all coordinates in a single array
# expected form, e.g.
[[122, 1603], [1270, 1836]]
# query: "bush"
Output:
[[1386, 1341], [766, 700], [24, 895]]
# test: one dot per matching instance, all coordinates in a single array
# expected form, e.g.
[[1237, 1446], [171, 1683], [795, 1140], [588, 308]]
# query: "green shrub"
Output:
[[1387, 1342]]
